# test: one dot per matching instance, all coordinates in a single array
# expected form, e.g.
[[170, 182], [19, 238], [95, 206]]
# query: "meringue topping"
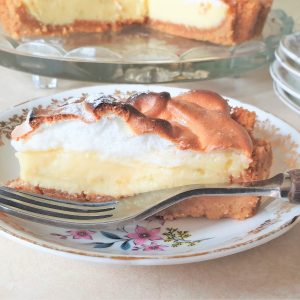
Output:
[[196, 120]]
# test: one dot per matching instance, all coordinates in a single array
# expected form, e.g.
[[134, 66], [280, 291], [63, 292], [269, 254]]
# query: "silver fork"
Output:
[[92, 215]]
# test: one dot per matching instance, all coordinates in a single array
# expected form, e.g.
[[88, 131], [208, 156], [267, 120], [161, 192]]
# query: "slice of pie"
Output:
[[95, 147], [219, 21]]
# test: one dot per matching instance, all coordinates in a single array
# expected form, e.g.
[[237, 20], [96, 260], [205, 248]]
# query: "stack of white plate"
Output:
[[285, 71]]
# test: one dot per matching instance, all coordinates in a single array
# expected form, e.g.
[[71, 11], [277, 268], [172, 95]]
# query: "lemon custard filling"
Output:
[[201, 13], [94, 174], [57, 12]]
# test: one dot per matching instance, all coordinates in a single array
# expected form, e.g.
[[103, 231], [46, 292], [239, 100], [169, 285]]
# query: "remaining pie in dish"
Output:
[[95, 147], [218, 21]]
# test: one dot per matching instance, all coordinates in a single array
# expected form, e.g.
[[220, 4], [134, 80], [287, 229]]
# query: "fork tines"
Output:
[[46, 208]]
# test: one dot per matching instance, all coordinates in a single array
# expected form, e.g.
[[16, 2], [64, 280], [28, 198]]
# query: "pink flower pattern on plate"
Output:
[[154, 247], [143, 235], [138, 238], [81, 234]]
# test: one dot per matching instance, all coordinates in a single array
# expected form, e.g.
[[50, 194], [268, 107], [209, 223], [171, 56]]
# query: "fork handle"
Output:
[[283, 185], [294, 192]]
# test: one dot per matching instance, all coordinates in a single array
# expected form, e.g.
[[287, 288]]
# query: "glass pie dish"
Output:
[[138, 54]]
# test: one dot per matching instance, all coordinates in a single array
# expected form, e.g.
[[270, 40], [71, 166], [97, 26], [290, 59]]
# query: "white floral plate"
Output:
[[154, 242]]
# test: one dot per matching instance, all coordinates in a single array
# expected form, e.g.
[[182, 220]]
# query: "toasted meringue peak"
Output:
[[196, 120], [206, 99]]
